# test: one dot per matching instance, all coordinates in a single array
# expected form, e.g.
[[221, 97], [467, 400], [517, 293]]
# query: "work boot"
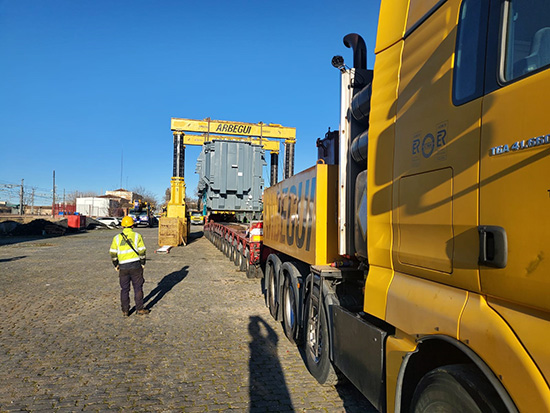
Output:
[[125, 313], [144, 311]]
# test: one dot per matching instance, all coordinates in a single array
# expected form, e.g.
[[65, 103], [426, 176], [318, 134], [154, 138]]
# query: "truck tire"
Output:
[[237, 255], [259, 272], [457, 387], [290, 311], [272, 271], [251, 271], [244, 261], [231, 252], [319, 365]]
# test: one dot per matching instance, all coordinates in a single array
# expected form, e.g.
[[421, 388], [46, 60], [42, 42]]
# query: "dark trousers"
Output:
[[135, 275]]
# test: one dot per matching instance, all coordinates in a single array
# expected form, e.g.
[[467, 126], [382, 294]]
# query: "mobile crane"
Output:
[[417, 266]]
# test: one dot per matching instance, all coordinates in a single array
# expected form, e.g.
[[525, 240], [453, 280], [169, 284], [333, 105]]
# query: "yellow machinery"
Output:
[[197, 132], [174, 227]]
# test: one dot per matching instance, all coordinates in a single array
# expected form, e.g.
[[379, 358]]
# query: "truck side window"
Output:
[[526, 38], [469, 64]]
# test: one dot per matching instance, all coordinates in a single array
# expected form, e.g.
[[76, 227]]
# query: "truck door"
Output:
[[436, 166], [515, 157]]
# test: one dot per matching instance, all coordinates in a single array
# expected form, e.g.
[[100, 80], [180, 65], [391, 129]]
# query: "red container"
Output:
[[76, 221]]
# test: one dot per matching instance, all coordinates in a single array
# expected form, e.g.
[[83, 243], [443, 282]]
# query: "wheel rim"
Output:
[[290, 308], [312, 338], [271, 288]]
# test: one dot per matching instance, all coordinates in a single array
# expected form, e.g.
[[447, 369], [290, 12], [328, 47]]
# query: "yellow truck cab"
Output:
[[458, 231], [435, 218]]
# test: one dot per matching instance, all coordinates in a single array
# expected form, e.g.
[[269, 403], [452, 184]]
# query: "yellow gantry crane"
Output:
[[174, 227]]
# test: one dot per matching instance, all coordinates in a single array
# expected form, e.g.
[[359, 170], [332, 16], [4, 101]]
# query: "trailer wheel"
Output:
[[318, 363], [231, 252], [272, 284], [237, 255], [226, 247], [244, 261], [290, 311], [259, 272], [457, 388], [251, 271]]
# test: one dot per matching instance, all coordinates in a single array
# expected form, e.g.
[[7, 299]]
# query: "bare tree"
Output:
[[70, 198]]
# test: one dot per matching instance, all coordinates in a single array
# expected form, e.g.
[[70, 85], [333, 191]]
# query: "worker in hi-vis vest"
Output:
[[128, 255]]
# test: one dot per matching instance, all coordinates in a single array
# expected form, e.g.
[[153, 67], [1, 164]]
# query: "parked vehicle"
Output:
[[197, 218], [111, 222], [142, 214]]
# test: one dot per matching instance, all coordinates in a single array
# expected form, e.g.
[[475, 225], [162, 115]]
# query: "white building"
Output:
[[96, 207]]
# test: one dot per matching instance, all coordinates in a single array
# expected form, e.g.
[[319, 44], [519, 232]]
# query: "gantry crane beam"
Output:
[[199, 140], [222, 127], [197, 132]]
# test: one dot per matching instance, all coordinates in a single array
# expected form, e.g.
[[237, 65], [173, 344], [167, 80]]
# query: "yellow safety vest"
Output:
[[122, 252]]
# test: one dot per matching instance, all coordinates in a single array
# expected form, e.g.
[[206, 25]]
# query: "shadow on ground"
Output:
[[13, 258], [164, 286], [265, 388], [194, 236]]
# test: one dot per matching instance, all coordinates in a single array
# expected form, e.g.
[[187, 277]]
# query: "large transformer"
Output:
[[230, 178]]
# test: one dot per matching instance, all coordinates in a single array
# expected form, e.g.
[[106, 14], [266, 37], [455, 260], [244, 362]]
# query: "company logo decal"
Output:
[[295, 209], [428, 143], [234, 128]]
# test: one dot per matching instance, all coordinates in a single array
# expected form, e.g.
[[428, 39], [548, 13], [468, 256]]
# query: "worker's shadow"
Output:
[[266, 377], [164, 286]]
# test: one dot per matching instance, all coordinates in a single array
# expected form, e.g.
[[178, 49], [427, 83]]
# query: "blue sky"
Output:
[[86, 83]]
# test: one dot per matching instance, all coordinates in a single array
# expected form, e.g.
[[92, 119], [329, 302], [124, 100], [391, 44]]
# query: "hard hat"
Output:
[[127, 221]]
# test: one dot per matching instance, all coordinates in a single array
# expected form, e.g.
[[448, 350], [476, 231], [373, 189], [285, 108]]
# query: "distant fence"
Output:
[[64, 209]]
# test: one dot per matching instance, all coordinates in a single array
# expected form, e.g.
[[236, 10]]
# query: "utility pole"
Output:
[[53, 200], [121, 167], [32, 201], [21, 210]]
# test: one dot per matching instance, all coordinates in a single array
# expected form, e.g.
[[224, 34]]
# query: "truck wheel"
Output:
[[290, 311], [458, 388], [231, 252], [236, 255], [272, 282], [251, 271], [318, 364], [259, 272], [244, 261]]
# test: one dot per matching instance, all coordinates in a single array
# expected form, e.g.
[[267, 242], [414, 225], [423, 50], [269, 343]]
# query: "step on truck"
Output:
[[417, 265]]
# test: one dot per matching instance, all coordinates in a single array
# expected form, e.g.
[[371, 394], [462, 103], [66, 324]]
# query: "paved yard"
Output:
[[209, 343]]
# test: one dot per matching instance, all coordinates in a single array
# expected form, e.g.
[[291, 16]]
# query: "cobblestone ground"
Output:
[[209, 343]]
